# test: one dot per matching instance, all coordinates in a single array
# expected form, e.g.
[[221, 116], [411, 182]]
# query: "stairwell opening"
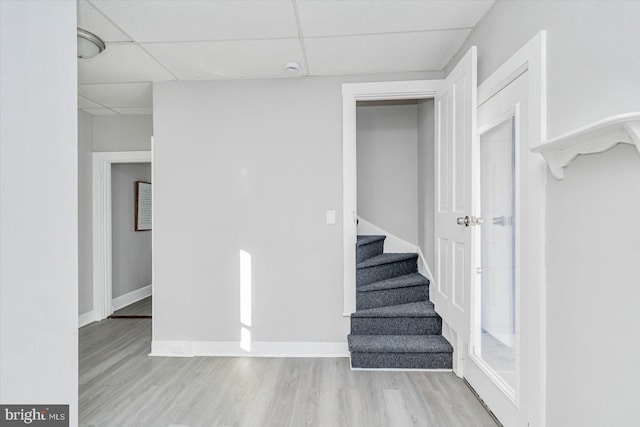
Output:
[[395, 325]]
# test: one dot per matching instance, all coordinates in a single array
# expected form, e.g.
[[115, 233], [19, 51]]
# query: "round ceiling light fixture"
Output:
[[89, 45], [292, 67]]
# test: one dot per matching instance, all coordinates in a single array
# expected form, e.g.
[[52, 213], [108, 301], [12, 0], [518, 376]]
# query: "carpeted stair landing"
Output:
[[395, 325]]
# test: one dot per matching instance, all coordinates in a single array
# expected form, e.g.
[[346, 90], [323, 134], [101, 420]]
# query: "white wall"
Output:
[[593, 66], [387, 134], [122, 133], [38, 210], [249, 166], [593, 248], [592, 54], [131, 249], [426, 184], [85, 230]]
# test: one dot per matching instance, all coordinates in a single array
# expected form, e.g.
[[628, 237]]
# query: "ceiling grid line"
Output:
[[130, 37], [301, 37]]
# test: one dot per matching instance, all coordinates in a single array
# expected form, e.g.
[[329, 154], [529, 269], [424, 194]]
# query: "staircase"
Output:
[[395, 324]]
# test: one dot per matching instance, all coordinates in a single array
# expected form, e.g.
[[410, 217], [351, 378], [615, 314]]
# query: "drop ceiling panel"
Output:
[[159, 21], [120, 63], [118, 95], [232, 59], [87, 103], [323, 18], [383, 53], [92, 20]]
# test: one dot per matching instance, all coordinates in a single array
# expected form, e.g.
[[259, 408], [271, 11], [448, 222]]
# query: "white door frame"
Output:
[[102, 255], [531, 58], [351, 94]]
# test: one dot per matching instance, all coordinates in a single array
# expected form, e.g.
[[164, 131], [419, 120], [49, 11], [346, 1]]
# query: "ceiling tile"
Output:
[[331, 17], [158, 21], [100, 111], [383, 53], [92, 20], [235, 59], [121, 63], [146, 111], [118, 95], [87, 103]]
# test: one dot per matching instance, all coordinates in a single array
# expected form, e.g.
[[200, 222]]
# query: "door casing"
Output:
[[102, 256], [351, 94]]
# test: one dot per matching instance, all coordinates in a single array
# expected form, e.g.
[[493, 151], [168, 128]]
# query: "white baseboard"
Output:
[[423, 267], [257, 349], [392, 243], [128, 299], [86, 318]]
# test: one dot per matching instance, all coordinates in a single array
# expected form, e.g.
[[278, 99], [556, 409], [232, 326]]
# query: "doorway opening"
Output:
[[395, 175], [105, 208], [131, 240]]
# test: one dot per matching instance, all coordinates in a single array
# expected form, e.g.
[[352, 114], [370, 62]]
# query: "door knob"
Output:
[[463, 221], [469, 220]]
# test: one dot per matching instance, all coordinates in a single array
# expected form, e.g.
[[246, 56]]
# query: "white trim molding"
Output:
[[250, 349], [392, 243], [89, 317], [131, 297], [594, 138], [531, 57], [102, 245], [351, 94]]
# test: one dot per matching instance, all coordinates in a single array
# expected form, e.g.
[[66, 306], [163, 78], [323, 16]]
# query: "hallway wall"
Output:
[[387, 148], [101, 134]]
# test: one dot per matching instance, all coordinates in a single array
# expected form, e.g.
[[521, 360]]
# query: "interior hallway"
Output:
[[120, 385]]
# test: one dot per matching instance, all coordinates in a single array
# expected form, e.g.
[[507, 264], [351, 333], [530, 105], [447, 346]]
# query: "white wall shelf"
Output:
[[596, 137]]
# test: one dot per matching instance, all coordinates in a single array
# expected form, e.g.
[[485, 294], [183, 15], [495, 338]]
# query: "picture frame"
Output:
[[143, 213]]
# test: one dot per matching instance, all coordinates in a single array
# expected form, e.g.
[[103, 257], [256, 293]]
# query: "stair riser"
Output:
[[383, 298], [369, 250], [402, 360], [364, 276], [396, 326]]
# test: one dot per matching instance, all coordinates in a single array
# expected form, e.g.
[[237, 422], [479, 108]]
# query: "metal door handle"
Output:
[[469, 220], [463, 221]]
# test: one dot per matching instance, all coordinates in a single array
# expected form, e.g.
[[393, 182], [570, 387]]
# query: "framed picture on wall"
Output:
[[143, 206]]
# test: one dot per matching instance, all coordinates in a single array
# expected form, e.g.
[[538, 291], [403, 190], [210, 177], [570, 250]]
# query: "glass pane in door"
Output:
[[497, 335]]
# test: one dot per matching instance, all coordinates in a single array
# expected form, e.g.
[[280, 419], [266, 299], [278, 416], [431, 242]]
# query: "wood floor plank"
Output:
[[121, 386]]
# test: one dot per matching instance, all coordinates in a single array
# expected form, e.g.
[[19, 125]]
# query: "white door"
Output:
[[455, 108], [498, 353]]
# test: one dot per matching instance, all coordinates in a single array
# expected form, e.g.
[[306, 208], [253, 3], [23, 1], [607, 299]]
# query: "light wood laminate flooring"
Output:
[[120, 385]]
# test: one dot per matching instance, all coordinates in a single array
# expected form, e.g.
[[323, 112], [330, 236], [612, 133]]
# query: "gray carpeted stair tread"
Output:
[[365, 240], [386, 258], [406, 281], [412, 309], [399, 344]]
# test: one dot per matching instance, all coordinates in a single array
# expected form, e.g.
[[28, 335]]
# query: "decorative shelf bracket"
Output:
[[594, 138]]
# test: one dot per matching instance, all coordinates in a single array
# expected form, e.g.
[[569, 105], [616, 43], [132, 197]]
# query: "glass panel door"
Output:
[[495, 343]]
